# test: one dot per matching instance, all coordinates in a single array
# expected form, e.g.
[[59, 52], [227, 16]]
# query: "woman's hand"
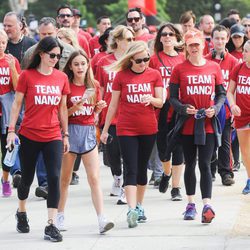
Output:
[[104, 137], [146, 99], [236, 111], [11, 137], [210, 112], [191, 110], [65, 144], [78, 105], [100, 106], [10, 60]]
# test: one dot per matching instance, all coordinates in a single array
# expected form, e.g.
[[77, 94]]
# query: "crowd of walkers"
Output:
[[162, 101]]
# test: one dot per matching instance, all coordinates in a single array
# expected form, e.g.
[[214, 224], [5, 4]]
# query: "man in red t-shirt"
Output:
[[220, 37], [103, 23], [134, 19]]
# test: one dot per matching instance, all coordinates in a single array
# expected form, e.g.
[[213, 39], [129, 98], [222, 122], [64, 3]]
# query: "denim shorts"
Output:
[[82, 139]]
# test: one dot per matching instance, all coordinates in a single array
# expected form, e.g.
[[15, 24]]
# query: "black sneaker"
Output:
[[42, 192], [227, 180], [22, 222], [236, 166], [163, 186], [152, 179], [74, 179], [16, 180], [176, 194], [157, 182], [52, 233]]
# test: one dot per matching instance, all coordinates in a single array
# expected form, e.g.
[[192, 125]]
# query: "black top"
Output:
[[18, 49]]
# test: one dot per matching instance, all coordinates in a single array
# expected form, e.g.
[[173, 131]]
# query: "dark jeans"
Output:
[[236, 149], [205, 153], [136, 152], [52, 154]]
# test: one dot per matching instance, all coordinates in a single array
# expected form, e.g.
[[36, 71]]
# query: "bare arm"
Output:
[[230, 96], [155, 101], [14, 73]]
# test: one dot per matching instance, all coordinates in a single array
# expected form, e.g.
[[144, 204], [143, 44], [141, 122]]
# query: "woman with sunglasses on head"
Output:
[[44, 129], [136, 90], [82, 135], [119, 40], [167, 55], [194, 85], [238, 98]]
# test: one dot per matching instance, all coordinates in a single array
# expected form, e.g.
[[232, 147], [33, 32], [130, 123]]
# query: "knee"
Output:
[[93, 181]]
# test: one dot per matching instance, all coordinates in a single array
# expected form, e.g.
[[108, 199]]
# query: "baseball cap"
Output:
[[193, 36], [76, 12], [237, 29]]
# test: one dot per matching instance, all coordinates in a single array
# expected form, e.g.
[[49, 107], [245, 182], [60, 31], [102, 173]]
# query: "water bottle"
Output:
[[10, 157]]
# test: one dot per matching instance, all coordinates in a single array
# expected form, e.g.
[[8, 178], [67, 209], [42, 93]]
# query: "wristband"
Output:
[[65, 134]]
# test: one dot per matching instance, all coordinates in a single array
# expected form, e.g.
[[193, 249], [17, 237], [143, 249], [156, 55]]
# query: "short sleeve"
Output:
[[234, 72], [158, 79], [66, 87], [219, 78], [117, 82], [175, 75]]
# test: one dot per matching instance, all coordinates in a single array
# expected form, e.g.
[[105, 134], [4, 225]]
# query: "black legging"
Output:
[[136, 152], [52, 153], [4, 151], [236, 149], [205, 153]]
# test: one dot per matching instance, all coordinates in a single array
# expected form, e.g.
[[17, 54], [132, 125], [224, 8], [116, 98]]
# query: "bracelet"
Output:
[[11, 131], [65, 134]]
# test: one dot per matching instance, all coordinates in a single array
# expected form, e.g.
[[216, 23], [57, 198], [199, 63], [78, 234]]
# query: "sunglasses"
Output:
[[246, 25], [140, 60], [64, 15], [53, 55], [130, 39], [136, 19], [167, 34]]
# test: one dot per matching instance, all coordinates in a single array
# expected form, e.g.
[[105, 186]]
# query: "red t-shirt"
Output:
[[238, 55], [197, 87], [83, 43], [241, 75], [145, 37], [105, 80], [94, 45], [208, 47], [42, 94], [169, 62], [86, 34], [96, 59], [86, 115], [134, 117], [6, 84]]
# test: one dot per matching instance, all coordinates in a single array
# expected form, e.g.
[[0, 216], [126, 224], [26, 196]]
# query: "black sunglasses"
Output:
[[53, 55], [136, 19], [130, 39], [140, 60], [64, 15], [167, 34]]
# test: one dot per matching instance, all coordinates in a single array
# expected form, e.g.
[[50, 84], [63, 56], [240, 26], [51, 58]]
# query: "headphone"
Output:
[[214, 53]]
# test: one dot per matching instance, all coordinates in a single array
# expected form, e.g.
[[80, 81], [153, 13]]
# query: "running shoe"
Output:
[[141, 215], [116, 186], [246, 189], [132, 217], [60, 219], [122, 198], [105, 225], [207, 214], [176, 194], [152, 179], [74, 179], [22, 222], [190, 212], [42, 191], [163, 186], [6, 188], [236, 166], [157, 182], [52, 233], [227, 180]]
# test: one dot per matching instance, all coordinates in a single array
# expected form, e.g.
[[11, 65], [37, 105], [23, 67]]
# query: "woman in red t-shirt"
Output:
[[83, 101], [9, 73], [194, 84], [165, 58], [136, 90], [44, 90], [238, 98]]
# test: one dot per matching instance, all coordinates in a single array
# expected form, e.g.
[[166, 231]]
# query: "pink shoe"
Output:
[[6, 188]]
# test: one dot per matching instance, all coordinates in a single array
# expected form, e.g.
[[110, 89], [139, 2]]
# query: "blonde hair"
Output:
[[124, 62], [3, 33], [117, 33], [70, 35]]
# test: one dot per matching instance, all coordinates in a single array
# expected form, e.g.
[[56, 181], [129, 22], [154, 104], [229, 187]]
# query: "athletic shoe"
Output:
[[236, 166], [246, 189], [22, 222], [190, 212], [122, 198], [60, 222], [152, 179], [163, 186], [227, 180], [207, 214], [104, 225], [132, 217], [42, 192], [74, 179], [6, 188], [116, 186], [16, 180], [176, 194], [141, 215], [157, 182], [52, 233]]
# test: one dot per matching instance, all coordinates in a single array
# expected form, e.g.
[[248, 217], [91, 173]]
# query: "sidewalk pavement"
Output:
[[165, 228]]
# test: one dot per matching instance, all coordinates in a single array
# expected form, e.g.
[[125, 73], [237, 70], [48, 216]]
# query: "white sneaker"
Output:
[[117, 185], [122, 198], [60, 222], [104, 224]]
